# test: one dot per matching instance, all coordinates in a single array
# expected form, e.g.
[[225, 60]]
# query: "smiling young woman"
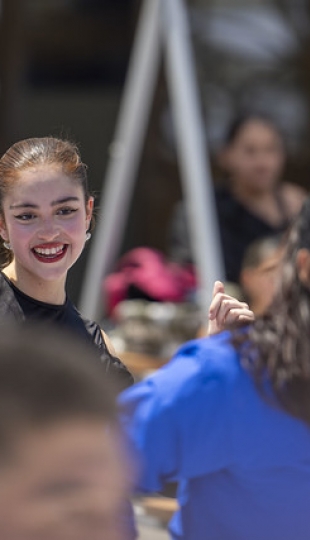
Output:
[[45, 214]]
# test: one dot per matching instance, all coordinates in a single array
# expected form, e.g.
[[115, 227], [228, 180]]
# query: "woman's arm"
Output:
[[108, 343]]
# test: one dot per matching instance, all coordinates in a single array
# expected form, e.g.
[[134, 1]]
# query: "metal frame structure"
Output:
[[163, 29]]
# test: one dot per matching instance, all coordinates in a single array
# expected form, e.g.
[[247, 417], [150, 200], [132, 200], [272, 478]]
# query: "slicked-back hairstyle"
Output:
[[277, 345], [45, 377]]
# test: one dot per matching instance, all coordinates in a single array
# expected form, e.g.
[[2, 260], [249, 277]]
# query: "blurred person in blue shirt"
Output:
[[228, 419]]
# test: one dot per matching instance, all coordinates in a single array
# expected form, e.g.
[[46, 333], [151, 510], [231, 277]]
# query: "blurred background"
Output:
[[63, 68]]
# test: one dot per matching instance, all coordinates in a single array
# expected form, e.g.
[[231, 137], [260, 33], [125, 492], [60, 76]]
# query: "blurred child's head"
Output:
[[62, 471]]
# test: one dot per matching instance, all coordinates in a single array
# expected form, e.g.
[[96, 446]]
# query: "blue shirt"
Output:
[[243, 464]]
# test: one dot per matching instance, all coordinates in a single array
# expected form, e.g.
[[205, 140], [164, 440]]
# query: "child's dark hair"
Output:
[[258, 250], [47, 377]]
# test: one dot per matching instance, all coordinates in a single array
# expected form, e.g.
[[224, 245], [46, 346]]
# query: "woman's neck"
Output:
[[250, 195], [262, 203], [50, 292]]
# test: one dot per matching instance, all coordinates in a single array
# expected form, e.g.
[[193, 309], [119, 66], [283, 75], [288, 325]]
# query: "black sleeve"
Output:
[[120, 376], [119, 372]]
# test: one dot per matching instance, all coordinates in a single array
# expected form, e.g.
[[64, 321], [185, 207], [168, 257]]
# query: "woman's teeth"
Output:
[[49, 251]]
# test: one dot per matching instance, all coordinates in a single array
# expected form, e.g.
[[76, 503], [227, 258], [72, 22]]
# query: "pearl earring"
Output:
[[88, 236], [7, 245]]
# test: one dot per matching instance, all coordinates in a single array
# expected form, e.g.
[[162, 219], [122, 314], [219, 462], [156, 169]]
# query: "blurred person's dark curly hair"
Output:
[[276, 347]]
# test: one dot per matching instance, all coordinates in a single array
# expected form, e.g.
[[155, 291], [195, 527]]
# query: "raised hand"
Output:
[[226, 312]]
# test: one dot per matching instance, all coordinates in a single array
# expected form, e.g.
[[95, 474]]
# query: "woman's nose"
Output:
[[48, 230]]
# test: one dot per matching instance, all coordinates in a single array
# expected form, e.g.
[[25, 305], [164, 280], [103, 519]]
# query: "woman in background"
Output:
[[252, 202]]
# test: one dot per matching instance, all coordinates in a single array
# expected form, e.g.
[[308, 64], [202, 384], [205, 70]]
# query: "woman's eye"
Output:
[[25, 217], [66, 211]]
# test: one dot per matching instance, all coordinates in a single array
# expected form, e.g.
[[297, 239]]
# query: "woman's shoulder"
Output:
[[201, 365], [114, 366], [92, 331], [212, 355], [97, 335], [189, 396], [229, 208]]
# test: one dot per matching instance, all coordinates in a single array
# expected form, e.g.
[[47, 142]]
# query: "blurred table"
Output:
[[140, 364]]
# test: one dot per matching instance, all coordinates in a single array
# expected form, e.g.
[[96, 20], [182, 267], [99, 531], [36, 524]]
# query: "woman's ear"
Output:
[[89, 211], [303, 266]]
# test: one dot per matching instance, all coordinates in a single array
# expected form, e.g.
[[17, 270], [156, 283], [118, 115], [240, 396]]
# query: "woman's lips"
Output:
[[49, 253]]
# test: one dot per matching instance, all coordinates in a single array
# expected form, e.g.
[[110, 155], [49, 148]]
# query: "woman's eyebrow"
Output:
[[65, 200], [53, 203], [23, 205]]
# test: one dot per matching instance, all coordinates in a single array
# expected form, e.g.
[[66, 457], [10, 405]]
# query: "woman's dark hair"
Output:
[[242, 119], [47, 376], [277, 345]]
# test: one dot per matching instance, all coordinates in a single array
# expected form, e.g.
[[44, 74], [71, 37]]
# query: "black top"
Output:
[[18, 306], [238, 228]]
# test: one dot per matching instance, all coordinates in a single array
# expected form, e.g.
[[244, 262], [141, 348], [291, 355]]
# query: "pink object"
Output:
[[148, 271]]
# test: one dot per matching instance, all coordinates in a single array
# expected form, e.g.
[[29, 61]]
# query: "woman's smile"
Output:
[[50, 253]]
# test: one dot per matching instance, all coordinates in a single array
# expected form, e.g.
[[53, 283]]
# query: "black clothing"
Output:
[[238, 228], [18, 306]]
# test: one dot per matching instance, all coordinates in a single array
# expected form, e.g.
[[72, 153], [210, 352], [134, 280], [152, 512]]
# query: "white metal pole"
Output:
[[126, 151], [192, 149]]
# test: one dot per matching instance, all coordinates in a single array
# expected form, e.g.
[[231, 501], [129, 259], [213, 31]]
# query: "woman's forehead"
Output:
[[44, 182], [256, 127], [41, 173]]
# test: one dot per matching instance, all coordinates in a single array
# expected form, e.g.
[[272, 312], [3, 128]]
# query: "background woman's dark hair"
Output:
[[278, 343], [242, 119]]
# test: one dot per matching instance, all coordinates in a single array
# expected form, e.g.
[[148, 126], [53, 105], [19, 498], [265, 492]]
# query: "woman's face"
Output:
[[45, 219], [255, 158]]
